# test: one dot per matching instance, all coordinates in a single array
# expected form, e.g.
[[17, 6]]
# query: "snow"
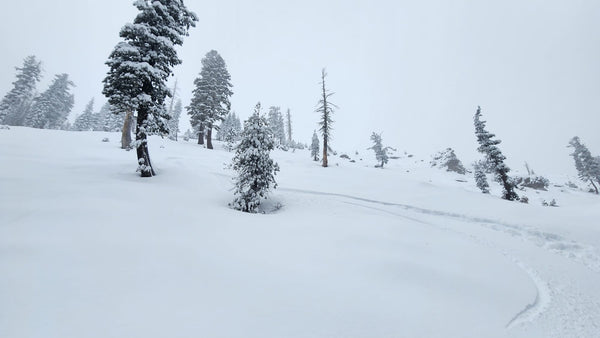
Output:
[[355, 251]]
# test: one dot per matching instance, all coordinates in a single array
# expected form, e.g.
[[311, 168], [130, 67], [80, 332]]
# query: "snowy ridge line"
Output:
[[585, 254]]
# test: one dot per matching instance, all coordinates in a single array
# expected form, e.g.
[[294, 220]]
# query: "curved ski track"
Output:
[[585, 254]]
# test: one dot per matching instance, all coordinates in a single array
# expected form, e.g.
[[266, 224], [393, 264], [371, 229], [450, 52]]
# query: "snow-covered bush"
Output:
[[447, 159], [533, 182]]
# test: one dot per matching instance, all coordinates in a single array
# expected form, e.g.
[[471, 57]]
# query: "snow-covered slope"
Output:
[[89, 249]]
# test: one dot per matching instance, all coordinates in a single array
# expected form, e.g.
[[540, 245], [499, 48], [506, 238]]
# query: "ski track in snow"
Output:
[[532, 310], [546, 292]]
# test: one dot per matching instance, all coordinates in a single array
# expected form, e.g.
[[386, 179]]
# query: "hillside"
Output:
[[90, 249]]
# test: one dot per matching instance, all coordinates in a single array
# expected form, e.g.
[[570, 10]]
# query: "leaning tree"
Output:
[[494, 157], [588, 167], [140, 66]]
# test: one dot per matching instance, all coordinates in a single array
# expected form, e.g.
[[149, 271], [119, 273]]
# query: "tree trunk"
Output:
[[201, 135], [325, 152], [126, 132], [594, 185], [143, 156], [509, 193], [209, 138]]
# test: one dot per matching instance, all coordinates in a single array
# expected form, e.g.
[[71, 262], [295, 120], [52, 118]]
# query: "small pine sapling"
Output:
[[481, 178], [380, 151], [255, 168], [314, 147]]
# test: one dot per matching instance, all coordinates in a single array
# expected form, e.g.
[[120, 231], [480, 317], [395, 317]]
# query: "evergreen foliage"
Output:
[[275, 120], [230, 139], [288, 116], [380, 151], [16, 104], [112, 121], [447, 159], [325, 108], [231, 125], [51, 109], [481, 178], [488, 146], [588, 167], [140, 66], [85, 121], [210, 102], [314, 147], [255, 169]]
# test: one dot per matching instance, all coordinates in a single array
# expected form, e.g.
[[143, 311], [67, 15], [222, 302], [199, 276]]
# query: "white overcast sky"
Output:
[[414, 70]]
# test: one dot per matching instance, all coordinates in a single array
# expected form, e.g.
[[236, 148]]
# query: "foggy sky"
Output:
[[414, 70]]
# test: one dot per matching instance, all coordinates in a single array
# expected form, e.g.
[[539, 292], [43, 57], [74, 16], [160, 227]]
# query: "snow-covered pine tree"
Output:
[[51, 109], [16, 104], [276, 124], [288, 116], [480, 177], [588, 167], [174, 121], [325, 108], [140, 66], [85, 121], [380, 151], [314, 147], [210, 102], [488, 146], [255, 169], [230, 139]]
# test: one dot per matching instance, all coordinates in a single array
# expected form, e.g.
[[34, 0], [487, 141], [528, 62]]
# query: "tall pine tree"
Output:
[[255, 169], [210, 102], [488, 146], [51, 109], [140, 66], [16, 104], [325, 108]]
